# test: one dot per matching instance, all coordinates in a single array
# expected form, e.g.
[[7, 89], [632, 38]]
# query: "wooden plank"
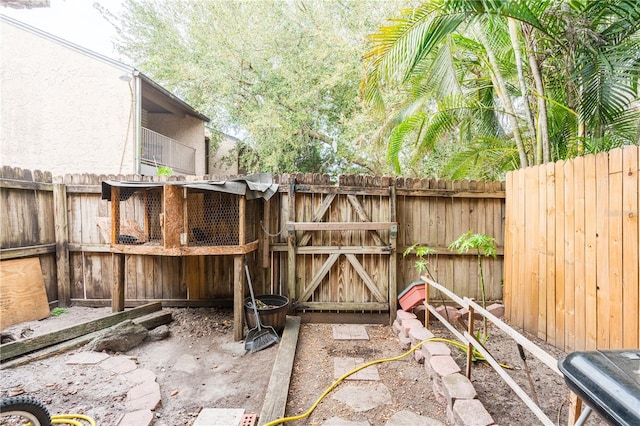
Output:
[[346, 306], [117, 288], [173, 220], [579, 253], [366, 278], [590, 254], [156, 250], [27, 185], [275, 400], [357, 207], [550, 251], [541, 238], [324, 206], [21, 347], [62, 244], [317, 279], [238, 297], [393, 258], [16, 253], [519, 290], [338, 226], [443, 193], [569, 256], [115, 214], [532, 283], [630, 233], [23, 292], [602, 250], [509, 257], [615, 249], [559, 259], [291, 240]]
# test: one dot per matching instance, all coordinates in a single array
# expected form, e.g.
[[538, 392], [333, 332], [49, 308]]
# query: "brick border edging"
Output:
[[450, 387]]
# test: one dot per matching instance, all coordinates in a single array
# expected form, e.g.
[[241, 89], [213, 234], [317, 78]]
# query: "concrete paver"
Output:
[[137, 418], [119, 364], [344, 365], [145, 396], [219, 417], [350, 332], [364, 398], [404, 418], [87, 358], [337, 421], [139, 375]]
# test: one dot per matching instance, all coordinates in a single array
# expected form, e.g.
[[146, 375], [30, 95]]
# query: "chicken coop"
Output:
[[185, 218]]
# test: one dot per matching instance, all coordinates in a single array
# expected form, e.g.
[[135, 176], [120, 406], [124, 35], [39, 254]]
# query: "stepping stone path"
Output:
[[365, 397], [144, 395]]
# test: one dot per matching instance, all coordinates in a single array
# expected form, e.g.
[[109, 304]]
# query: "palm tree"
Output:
[[461, 68]]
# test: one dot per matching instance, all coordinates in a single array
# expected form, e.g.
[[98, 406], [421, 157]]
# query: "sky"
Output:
[[77, 21]]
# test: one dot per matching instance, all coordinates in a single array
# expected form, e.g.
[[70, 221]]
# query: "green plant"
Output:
[[422, 254], [164, 171], [484, 246], [58, 311]]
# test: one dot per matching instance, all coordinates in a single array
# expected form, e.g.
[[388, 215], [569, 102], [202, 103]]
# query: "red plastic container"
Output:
[[412, 296]]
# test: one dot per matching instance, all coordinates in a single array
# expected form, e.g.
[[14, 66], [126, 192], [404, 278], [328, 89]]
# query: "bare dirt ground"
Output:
[[200, 365]]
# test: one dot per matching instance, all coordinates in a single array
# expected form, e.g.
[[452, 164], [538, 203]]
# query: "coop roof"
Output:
[[252, 186]]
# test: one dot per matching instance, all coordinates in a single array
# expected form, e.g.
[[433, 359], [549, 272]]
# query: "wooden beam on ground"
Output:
[[22, 347], [278, 389], [149, 321]]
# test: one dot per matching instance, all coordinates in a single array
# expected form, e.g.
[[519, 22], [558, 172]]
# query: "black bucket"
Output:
[[274, 315]]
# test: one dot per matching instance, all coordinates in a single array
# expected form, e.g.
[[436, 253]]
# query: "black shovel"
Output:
[[260, 337]]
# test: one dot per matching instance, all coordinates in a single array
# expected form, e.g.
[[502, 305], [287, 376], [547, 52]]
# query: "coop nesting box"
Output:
[[186, 217]]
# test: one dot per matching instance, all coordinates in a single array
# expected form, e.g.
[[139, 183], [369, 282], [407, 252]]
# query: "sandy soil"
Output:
[[222, 376], [198, 366]]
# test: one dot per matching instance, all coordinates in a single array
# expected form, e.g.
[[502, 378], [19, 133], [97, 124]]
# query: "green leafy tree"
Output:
[[513, 83], [283, 76]]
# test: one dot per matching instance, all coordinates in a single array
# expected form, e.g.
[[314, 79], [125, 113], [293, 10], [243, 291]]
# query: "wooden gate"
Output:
[[342, 247]]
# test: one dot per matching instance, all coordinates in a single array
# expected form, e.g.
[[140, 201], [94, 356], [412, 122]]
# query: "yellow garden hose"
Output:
[[337, 382], [378, 361], [72, 419]]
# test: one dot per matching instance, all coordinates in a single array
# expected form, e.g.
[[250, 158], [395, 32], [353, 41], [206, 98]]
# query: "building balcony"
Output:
[[159, 150]]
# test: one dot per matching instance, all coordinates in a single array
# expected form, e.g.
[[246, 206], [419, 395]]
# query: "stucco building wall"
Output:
[[60, 110]]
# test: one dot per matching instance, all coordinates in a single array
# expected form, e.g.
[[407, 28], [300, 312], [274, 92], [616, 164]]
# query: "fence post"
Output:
[[393, 258], [117, 285], [291, 239], [470, 321], [61, 226]]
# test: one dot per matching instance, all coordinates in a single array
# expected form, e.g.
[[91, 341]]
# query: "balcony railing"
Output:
[[159, 150]]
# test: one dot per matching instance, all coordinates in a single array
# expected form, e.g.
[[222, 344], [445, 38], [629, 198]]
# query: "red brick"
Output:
[[496, 309], [407, 325], [435, 349], [471, 412], [456, 386], [418, 334], [444, 365], [403, 315], [396, 327]]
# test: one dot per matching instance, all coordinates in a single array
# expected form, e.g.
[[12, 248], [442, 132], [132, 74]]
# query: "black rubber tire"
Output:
[[28, 408]]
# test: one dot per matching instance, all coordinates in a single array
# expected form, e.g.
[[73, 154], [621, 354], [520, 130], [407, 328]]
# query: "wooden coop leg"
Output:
[[117, 286], [238, 297]]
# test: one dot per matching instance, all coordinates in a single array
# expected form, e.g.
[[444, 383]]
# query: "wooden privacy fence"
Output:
[[335, 246], [571, 251], [339, 247]]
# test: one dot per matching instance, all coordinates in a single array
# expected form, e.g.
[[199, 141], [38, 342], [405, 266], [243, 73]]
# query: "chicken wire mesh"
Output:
[[140, 216], [211, 218]]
